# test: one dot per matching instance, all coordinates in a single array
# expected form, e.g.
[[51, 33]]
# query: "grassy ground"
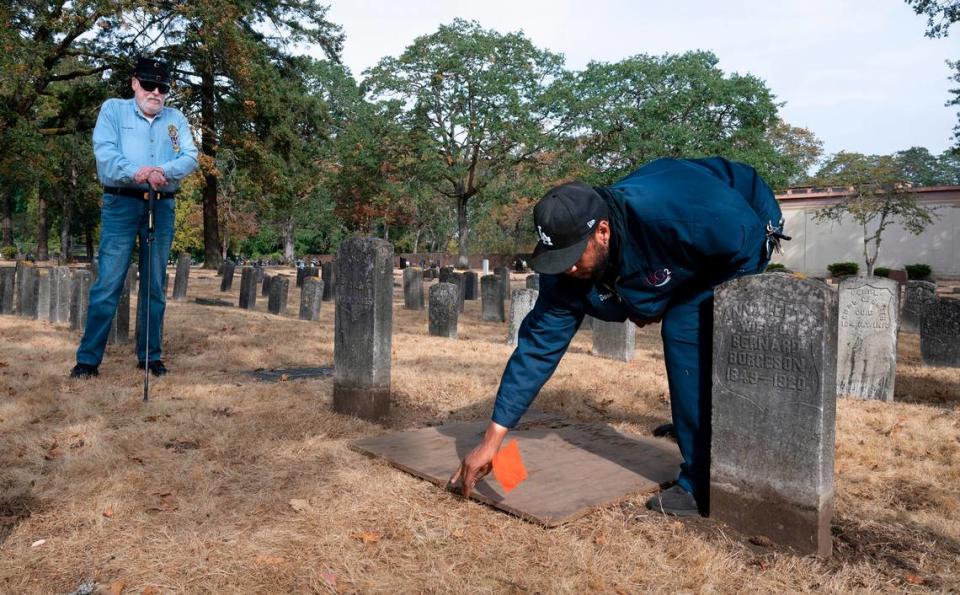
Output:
[[225, 484]]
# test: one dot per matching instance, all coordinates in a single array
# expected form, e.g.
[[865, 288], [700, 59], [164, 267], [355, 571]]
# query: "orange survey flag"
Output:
[[508, 467]]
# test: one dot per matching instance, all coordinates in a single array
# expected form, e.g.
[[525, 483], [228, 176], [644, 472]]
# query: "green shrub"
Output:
[[8, 252], [917, 272], [774, 267], [881, 272], [842, 269]]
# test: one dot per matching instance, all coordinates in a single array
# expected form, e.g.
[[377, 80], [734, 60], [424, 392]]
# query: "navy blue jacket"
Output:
[[678, 225]]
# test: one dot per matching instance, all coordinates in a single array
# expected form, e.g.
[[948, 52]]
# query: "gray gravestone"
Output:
[[44, 291], [614, 340], [248, 288], [182, 278], [226, 284], [504, 274], [301, 272], [60, 294], [363, 323], [461, 283], [80, 283], [915, 295], [491, 299], [120, 325], [220, 269], [485, 265], [940, 333], [277, 302], [444, 300], [265, 292], [445, 273], [328, 274], [774, 409], [867, 337], [533, 281], [413, 288], [260, 273], [166, 283], [17, 283], [521, 302], [29, 285], [8, 286], [471, 283], [311, 296]]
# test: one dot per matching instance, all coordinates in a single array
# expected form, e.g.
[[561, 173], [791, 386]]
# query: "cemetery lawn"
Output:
[[223, 483]]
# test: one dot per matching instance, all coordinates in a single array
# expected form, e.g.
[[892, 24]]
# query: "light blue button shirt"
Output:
[[124, 140]]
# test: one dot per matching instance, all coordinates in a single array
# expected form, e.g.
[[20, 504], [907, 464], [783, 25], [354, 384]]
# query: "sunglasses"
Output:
[[150, 86]]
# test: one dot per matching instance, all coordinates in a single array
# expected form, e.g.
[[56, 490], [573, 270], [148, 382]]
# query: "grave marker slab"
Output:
[[460, 282], [867, 337], [915, 295], [614, 340], [285, 374], [311, 297], [18, 284], [363, 323], [248, 288], [226, 284], [44, 290], [445, 273], [209, 302], [491, 299], [522, 302], [485, 265], [277, 302], [60, 294], [328, 275], [940, 333], [80, 282], [774, 409], [413, 288], [444, 310], [182, 277], [29, 287], [120, 325], [533, 281], [265, 292], [504, 274], [470, 288], [8, 287]]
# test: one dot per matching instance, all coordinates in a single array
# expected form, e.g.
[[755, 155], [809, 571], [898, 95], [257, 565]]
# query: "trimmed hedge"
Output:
[[8, 252], [917, 272], [842, 269], [881, 272], [774, 267]]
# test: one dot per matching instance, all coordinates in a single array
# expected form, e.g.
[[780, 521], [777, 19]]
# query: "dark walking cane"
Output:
[[151, 201]]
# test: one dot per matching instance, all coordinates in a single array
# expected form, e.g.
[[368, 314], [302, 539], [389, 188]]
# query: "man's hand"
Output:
[[143, 173], [644, 322], [479, 462], [156, 178]]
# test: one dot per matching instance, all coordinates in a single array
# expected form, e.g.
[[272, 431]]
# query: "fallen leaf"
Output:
[[108, 512], [299, 505], [38, 543], [329, 578], [368, 537], [913, 579], [117, 586], [137, 460], [599, 539], [761, 540]]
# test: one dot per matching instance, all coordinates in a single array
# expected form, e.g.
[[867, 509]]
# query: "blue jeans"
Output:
[[122, 220]]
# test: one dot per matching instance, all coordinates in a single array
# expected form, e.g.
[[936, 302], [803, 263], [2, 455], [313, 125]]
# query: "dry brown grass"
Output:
[[192, 492]]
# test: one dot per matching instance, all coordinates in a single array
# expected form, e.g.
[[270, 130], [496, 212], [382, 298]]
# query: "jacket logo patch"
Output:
[[544, 238], [659, 278], [174, 137]]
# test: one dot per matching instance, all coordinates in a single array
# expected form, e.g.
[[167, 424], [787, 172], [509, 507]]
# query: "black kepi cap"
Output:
[[153, 70], [565, 218]]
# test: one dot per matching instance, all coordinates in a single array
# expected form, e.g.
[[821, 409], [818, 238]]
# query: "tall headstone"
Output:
[[60, 294], [248, 288], [940, 333], [504, 274], [80, 282], [916, 294], [522, 302], [259, 273], [29, 286], [120, 325], [471, 285], [491, 299], [226, 284], [413, 288], [301, 273], [614, 340], [267, 279], [485, 266], [8, 286], [867, 337], [363, 324], [460, 281], [182, 278], [533, 281], [311, 296], [18, 284], [277, 302], [44, 291], [774, 409], [328, 274], [445, 273], [444, 310]]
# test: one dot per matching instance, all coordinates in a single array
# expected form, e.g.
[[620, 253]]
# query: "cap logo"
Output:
[[544, 238], [590, 223]]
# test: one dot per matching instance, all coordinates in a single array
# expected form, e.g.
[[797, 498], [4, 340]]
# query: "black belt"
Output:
[[135, 192]]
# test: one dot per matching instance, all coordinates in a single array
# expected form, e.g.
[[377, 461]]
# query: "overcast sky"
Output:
[[859, 73]]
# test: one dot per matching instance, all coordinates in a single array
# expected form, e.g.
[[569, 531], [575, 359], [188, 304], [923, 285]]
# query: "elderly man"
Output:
[[139, 144], [649, 248]]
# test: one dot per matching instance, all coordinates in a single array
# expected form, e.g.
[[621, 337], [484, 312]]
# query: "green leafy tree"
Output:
[[941, 14], [477, 99], [878, 198]]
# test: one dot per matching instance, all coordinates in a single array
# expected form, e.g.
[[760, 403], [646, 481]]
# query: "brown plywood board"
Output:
[[572, 468]]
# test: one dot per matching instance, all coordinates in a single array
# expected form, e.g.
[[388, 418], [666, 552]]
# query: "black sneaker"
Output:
[[156, 367], [675, 501], [665, 431], [84, 371]]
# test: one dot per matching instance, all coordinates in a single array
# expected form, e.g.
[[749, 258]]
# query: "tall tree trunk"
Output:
[[7, 201], [286, 231], [463, 260], [416, 240], [66, 219], [43, 226], [208, 147]]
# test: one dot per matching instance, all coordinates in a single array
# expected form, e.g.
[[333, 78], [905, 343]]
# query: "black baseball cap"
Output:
[[152, 70], [565, 218]]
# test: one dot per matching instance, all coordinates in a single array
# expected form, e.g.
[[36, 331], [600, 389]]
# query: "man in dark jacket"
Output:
[[649, 248]]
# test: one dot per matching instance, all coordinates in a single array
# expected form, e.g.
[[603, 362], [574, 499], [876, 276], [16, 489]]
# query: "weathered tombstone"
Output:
[[60, 294], [614, 340], [363, 324], [774, 409], [44, 291], [301, 273], [461, 283], [867, 337], [491, 299], [182, 278], [521, 302], [80, 283], [265, 292], [940, 333], [413, 288], [504, 274], [311, 296], [248, 288], [259, 273], [471, 285], [485, 265], [444, 300], [445, 273], [328, 275], [226, 284], [8, 286], [17, 284], [29, 284], [915, 295], [533, 281], [220, 269], [277, 302], [120, 325], [166, 283]]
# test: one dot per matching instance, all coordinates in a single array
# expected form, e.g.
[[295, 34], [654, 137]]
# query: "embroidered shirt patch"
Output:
[[659, 278], [174, 137]]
